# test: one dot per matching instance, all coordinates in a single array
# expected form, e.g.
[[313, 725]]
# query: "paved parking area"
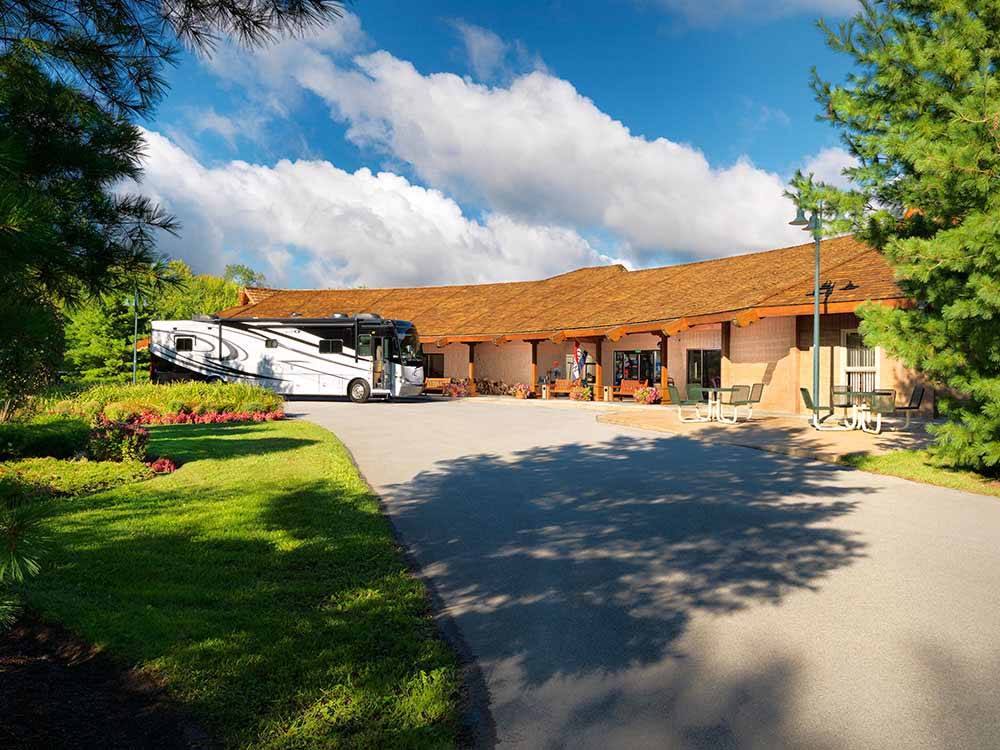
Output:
[[623, 588]]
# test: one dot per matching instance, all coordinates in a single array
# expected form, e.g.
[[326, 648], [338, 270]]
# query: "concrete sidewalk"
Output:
[[784, 434], [791, 436]]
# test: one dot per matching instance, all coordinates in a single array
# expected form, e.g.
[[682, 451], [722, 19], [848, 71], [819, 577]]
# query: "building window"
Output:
[[184, 344], [271, 343], [433, 365], [331, 346], [860, 369]]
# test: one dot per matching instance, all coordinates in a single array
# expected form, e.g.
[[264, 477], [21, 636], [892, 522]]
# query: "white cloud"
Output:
[[713, 12], [828, 166], [538, 149], [486, 50], [490, 58], [310, 223]]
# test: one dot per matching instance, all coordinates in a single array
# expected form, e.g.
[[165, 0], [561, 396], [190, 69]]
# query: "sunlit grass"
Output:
[[919, 466], [261, 582]]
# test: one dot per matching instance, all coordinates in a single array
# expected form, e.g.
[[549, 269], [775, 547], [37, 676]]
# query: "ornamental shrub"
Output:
[[118, 441], [162, 465], [456, 389], [581, 393]]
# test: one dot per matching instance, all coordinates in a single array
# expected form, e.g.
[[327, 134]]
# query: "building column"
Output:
[[534, 365], [664, 370], [472, 368], [598, 370], [727, 343]]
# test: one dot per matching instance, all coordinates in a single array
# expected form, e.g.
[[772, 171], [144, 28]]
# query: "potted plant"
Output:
[[646, 395], [581, 393], [523, 390]]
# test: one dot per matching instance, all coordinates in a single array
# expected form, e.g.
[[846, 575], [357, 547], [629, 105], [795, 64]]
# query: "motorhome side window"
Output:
[[184, 344], [330, 346], [364, 345], [342, 334]]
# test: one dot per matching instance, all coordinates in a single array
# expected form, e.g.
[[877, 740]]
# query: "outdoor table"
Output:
[[860, 401], [715, 404]]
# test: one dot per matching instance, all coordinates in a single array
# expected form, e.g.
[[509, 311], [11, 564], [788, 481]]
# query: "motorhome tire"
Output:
[[358, 391]]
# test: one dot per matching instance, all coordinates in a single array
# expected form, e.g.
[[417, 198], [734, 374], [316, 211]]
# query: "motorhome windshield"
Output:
[[409, 347]]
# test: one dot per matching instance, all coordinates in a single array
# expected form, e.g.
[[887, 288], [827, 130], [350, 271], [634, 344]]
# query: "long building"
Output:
[[740, 319]]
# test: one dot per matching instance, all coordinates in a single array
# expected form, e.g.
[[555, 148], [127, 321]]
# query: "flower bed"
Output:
[[212, 417], [123, 402], [646, 395]]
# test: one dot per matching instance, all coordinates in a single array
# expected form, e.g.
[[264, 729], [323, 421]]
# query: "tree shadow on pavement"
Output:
[[568, 560]]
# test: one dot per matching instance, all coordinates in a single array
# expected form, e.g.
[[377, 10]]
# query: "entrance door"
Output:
[[640, 364], [382, 369], [704, 367]]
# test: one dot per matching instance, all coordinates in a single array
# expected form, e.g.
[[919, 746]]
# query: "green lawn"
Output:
[[918, 466], [262, 583]]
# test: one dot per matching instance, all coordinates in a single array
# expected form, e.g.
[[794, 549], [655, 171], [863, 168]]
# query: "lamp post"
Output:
[[814, 224], [135, 335]]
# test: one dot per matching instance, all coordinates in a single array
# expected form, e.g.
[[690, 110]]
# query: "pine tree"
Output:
[[920, 113]]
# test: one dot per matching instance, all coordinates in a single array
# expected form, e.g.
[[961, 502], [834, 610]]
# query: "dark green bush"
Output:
[[56, 436]]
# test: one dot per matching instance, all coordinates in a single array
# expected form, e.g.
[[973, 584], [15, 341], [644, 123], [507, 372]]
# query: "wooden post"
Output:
[[598, 371], [664, 370], [727, 341], [472, 369], [534, 365]]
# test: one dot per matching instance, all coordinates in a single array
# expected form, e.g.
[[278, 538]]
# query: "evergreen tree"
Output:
[[921, 114], [99, 339]]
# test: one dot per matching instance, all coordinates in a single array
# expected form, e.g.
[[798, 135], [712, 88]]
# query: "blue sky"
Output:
[[495, 141]]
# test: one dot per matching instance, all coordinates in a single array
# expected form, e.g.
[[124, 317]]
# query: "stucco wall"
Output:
[[765, 352]]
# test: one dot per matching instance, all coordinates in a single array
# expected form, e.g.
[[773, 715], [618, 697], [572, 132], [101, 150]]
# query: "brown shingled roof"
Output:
[[603, 296]]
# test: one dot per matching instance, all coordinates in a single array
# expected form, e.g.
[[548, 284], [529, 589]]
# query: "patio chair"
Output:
[[883, 404], [695, 392], [916, 398], [739, 396], [816, 422], [756, 394], [681, 403]]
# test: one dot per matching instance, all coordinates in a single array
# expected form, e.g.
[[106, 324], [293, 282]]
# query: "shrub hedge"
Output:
[[123, 402], [46, 435]]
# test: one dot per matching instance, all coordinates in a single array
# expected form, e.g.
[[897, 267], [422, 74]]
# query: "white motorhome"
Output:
[[358, 356]]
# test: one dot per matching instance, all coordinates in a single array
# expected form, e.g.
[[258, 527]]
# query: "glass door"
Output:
[[704, 367]]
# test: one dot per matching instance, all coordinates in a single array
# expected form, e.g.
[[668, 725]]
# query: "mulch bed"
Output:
[[57, 691]]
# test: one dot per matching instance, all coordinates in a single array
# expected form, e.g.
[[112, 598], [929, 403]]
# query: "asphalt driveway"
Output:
[[625, 589]]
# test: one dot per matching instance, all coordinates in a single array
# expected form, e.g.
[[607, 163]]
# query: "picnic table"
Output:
[[715, 402]]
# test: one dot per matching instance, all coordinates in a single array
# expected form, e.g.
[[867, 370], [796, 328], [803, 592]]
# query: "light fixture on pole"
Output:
[[813, 224]]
